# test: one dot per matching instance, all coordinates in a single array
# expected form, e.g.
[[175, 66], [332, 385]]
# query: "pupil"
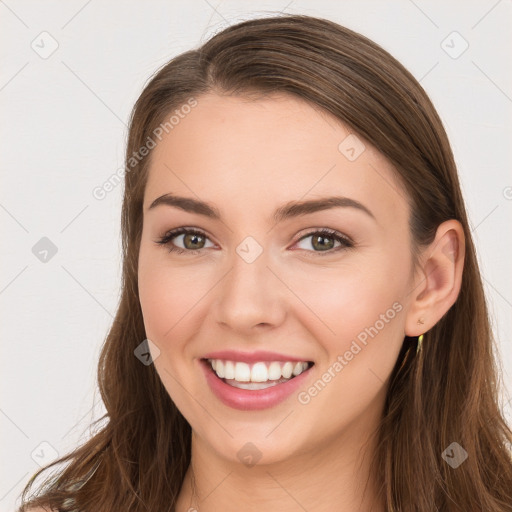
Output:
[[193, 238]]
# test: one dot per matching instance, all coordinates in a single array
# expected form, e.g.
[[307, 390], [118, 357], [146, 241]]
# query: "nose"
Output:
[[250, 297]]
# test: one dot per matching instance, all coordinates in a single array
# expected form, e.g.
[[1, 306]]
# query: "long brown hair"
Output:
[[448, 393]]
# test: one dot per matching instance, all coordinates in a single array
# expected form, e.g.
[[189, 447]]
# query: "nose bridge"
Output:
[[250, 294]]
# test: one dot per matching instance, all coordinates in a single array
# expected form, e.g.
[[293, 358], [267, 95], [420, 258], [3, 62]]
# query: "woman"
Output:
[[302, 323]]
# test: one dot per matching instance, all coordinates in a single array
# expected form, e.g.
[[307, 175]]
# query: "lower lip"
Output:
[[250, 400]]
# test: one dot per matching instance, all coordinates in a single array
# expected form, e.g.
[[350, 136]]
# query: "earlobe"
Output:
[[438, 280]]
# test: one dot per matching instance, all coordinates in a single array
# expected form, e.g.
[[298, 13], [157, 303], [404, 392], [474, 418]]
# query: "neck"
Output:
[[334, 476]]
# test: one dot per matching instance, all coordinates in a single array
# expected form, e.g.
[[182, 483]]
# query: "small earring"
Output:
[[421, 321], [420, 340]]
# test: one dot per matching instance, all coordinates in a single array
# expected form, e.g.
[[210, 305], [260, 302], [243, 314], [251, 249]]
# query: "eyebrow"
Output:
[[288, 210]]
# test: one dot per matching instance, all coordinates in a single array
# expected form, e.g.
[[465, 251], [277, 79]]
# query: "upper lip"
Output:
[[252, 357]]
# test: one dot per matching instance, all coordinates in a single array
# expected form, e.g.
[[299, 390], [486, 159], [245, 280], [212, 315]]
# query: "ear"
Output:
[[438, 280]]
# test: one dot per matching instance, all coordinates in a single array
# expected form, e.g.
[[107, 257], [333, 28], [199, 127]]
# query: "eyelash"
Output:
[[326, 232]]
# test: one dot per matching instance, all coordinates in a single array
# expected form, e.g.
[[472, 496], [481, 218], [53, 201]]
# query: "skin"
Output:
[[247, 158]]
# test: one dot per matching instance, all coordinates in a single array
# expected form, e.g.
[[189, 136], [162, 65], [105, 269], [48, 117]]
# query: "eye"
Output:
[[324, 241], [193, 240]]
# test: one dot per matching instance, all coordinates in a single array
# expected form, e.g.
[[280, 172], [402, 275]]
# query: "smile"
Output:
[[254, 385], [260, 375]]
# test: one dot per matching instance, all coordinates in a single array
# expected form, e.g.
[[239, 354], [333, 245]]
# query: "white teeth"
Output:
[[287, 370], [258, 373], [297, 369], [229, 370], [253, 385], [219, 369], [242, 372], [274, 371]]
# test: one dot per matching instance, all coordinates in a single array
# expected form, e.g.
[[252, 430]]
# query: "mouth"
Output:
[[255, 385], [258, 375]]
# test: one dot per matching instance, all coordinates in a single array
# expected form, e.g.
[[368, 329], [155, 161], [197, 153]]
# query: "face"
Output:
[[298, 302]]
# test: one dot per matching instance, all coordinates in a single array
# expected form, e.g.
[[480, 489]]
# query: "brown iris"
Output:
[[193, 239], [319, 242]]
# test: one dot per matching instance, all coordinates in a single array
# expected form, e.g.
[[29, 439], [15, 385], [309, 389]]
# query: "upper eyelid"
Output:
[[173, 233]]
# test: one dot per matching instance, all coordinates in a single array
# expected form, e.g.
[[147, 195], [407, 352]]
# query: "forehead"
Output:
[[257, 153]]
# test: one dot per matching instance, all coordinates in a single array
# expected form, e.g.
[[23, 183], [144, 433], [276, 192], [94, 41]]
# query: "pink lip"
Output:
[[250, 400], [251, 357]]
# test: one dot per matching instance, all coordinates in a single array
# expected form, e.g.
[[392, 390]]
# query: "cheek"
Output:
[[363, 307], [166, 294], [169, 300], [345, 300], [164, 290], [174, 302]]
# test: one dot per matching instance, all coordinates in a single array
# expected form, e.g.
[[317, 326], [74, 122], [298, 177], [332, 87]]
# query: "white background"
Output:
[[63, 131]]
